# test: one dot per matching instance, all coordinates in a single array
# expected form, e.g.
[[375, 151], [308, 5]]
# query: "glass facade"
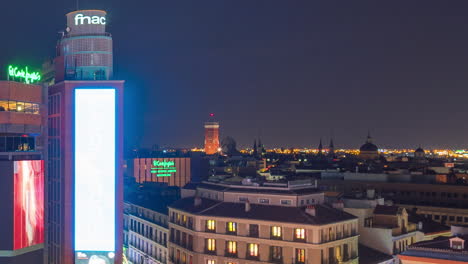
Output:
[[18, 106], [17, 143]]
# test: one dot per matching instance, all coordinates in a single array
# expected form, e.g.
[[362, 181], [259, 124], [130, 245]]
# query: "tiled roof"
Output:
[[369, 255], [439, 248], [324, 214], [387, 210]]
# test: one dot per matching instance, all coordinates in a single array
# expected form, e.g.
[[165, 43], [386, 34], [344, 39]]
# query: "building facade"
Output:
[[242, 224], [174, 171], [22, 127], [145, 234]]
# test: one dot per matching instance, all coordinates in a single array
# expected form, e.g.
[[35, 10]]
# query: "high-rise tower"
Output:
[[85, 50], [211, 136], [84, 176]]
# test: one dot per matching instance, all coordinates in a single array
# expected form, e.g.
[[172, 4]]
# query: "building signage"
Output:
[[23, 73], [164, 168], [81, 19]]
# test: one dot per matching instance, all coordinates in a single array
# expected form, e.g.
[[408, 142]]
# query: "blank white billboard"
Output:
[[95, 169]]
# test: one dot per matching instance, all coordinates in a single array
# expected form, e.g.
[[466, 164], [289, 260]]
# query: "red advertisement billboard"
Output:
[[28, 203]]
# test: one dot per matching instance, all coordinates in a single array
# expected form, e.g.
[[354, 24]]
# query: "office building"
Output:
[[84, 181], [211, 136], [242, 223], [21, 170]]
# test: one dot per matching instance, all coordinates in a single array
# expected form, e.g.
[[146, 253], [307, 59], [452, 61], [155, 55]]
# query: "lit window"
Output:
[[210, 244], [300, 255], [232, 227], [232, 247], [210, 261], [20, 106], [276, 232], [299, 233], [253, 250], [264, 201], [211, 225]]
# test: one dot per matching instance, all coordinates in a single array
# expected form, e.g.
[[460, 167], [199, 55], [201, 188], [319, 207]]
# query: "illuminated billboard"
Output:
[[164, 168], [95, 174], [28, 203]]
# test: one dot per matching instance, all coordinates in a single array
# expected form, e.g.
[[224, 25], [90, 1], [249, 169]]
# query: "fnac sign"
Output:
[[81, 19]]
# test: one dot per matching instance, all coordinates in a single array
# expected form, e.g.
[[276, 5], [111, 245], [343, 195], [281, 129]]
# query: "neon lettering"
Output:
[[28, 77]]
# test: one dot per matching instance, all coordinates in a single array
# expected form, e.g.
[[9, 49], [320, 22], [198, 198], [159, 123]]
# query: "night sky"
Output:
[[288, 71]]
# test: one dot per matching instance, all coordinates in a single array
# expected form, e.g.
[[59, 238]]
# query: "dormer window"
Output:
[[457, 243]]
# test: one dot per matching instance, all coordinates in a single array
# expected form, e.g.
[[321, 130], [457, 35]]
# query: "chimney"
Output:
[[247, 206], [370, 193], [197, 201], [310, 210]]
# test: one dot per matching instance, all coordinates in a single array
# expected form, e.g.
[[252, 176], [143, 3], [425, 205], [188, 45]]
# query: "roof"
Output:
[[428, 225], [388, 210], [368, 147], [324, 214], [266, 190], [439, 248], [369, 255]]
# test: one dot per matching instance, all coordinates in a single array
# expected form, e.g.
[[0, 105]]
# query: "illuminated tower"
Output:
[[85, 50], [211, 136], [84, 177]]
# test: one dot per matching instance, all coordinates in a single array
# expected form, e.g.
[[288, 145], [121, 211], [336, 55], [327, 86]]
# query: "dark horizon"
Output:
[[288, 72]]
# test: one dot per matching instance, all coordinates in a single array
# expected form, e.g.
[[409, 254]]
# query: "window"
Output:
[[210, 245], [299, 234], [252, 250], [459, 219], [243, 199], [231, 227], [276, 232], [211, 225], [436, 217], [286, 202], [300, 255], [451, 218], [210, 261], [276, 254], [264, 201], [231, 248], [253, 230]]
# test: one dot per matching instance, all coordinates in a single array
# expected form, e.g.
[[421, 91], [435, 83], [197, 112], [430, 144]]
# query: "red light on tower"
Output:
[[211, 136]]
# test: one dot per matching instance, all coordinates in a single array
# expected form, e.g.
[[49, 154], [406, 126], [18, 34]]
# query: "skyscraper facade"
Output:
[[211, 136], [84, 181]]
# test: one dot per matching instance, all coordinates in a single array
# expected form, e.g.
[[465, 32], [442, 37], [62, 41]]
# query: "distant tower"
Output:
[[255, 152], [320, 147], [331, 149], [211, 136]]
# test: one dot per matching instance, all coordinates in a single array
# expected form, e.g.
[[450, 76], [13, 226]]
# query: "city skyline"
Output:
[[288, 73]]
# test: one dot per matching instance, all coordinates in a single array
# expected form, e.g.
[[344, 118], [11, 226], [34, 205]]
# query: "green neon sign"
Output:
[[28, 77], [163, 168]]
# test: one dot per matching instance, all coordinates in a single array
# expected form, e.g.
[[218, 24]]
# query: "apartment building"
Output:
[[235, 223], [145, 232]]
